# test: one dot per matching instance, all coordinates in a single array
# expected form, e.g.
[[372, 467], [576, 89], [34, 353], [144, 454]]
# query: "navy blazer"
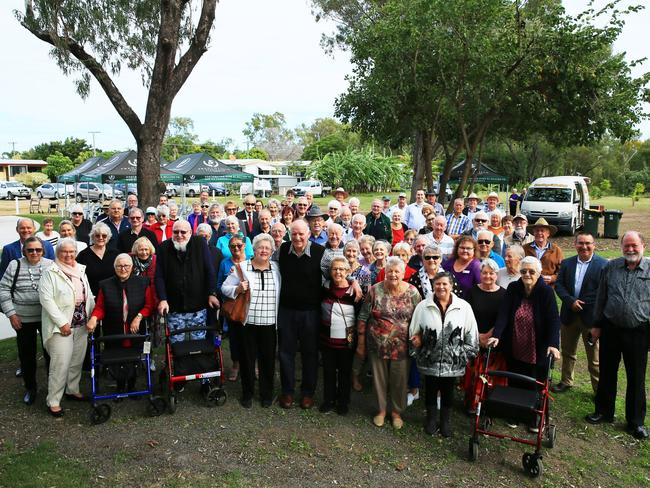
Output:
[[13, 251], [565, 288], [547, 320]]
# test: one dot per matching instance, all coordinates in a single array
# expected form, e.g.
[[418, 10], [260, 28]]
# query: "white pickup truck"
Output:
[[314, 186]]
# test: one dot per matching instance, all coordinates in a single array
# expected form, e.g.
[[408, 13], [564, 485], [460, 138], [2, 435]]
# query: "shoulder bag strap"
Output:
[[15, 280]]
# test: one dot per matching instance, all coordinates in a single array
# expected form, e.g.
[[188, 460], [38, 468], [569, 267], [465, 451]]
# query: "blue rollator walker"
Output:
[[122, 363]]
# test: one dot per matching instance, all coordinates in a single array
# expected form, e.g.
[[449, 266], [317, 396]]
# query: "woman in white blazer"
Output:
[[67, 302], [258, 332]]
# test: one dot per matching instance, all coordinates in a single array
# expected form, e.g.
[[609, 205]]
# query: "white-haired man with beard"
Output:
[[185, 280]]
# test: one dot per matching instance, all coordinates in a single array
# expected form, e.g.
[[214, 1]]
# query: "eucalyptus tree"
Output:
[[163, 40]]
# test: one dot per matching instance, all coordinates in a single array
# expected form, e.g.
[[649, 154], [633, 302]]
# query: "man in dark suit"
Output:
[[577, 286], [128, 236], [25, 228], [249, 215], [116, 221]]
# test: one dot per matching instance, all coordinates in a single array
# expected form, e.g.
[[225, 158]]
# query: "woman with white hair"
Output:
[[528, 324], [257, 333], [382, 330], [397, 226], [67, 301], [381, 251], [67, 229], [98, 258], [509, 274], [232, 228]]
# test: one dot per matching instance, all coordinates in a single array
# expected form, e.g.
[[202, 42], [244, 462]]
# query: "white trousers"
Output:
[[66, 360]]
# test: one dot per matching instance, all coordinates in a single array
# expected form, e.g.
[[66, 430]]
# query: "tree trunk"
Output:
[[427, 157], [450, 159], [418, 166]]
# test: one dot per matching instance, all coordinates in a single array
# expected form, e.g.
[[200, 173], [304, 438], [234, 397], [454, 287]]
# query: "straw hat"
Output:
[[473, 196], [493, 194], [340, 190], [541, 222]]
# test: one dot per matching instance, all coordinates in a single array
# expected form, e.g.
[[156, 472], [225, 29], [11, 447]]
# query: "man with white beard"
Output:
[[520, 234], [185, 280], [479, 223]]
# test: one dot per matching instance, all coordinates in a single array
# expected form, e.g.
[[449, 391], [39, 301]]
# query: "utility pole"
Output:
[[13, 147], [93, 132]]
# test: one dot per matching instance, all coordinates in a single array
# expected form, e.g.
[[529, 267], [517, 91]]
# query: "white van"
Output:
[[561, 200], [260, 188]]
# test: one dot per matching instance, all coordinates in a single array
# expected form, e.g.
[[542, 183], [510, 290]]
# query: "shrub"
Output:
[[32, 180]]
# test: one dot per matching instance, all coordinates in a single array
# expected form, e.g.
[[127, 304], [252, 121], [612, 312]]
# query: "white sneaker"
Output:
[[410, 398], [152, 365]]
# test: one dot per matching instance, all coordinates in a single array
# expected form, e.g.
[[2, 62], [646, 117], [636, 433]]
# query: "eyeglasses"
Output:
[[465, 248], [77, 213], [428, 258], [250, 204], [528, 272], [181, 232], [484, 241], [34, 250], [136, 217], [480, 220], [123, 266], [235, 246], [100, 236], [301, 205]]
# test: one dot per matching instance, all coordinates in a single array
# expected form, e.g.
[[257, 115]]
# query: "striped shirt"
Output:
[[457, 225]]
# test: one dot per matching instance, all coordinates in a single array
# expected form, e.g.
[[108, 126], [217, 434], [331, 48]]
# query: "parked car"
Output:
[[191, 189], [54, 190], [171, 190], [130, 188], [11, 189], [314, 186], [219, 189], [96, 192]]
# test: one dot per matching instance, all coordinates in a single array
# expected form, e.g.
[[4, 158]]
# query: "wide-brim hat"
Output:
[[520, 216], [493, 194], [541, 222], [315, 211], [474, 196], [340, 190]]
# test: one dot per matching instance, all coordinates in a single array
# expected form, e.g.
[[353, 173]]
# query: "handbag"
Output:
[[235, 309]]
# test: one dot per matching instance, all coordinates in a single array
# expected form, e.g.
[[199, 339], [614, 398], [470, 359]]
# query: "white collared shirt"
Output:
[[581, 271]]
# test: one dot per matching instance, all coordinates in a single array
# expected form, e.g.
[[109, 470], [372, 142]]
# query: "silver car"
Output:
[[12, 189], [54, 190], [96, 192]]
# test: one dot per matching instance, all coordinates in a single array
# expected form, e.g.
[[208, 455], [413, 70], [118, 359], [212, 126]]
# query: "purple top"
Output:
[[467, 278]]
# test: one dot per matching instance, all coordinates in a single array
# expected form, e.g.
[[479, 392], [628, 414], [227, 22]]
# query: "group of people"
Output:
[[409, 292]]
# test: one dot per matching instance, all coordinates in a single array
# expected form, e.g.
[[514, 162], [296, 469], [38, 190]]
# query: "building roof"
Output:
[[22, 162]]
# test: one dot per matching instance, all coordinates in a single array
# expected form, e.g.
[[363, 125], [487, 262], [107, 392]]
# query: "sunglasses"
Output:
[[205, 206], [484, 241], [428, 258], [181, 232], [480, 220], [236, 246], [136, 217], [77, 213], [249, 204], [34, 250]]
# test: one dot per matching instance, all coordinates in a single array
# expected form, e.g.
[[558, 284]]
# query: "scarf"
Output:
[[425, 283], [74, 274], [140, 267]]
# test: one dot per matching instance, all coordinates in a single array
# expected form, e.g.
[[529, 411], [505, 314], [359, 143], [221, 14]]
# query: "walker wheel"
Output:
[[216, 397], [551, 434], [532, 464], [171, 403], [156, 406], [100, 414], [472, 451]]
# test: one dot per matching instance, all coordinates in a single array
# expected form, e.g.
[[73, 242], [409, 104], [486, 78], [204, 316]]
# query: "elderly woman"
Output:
[[495, 224], [198, 216], [237, 256], [423, 279], [20, 303], [163, 225], [123, 301], [97, 258], [261, 277], [173, 212], [366, 244], [528, 323], [380, 251], [410, 236], [357, 271], [463, 265], [382, 329], [232, 229], [355, 232], [67, 229], [337, 334], [485, 299], [333, 247], [403, 251], [149, 217], [514, 255], [67, 301], [444, 334], [397, 226], [274, 208]]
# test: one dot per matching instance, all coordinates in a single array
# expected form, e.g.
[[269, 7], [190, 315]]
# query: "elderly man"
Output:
[[421, 241], [333, 247], [401, 205], [491, 202], [299, 313], [472, 206], [25, 229], [310, 199], [353, 205], [457, 222], [264, 223], [204, 197], [413, 217], [432, 198], [357, 226], [485, 240], [621, 321], [520, 234], [163, 199], [479, 223], [302, 206], [131, 201], [546, 251], [185, 280], [316, 220], [345, 218], [377, 224], [386, 202], [279, 234], [116, 221], [577, 285], [81, 224], [249, 216], [128, 236], [438, 237]]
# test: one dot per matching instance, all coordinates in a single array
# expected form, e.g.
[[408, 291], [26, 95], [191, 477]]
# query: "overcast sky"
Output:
[[264, 57]]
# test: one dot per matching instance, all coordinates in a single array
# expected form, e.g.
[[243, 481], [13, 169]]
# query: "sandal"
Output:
[[234, 374]]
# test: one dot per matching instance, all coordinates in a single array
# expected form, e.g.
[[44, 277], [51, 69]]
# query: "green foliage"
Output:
[[361, 170], [57, 164], [71, 148], [253, 153], [32, 180], [639, 189], [328, 144], [606, 186], [270, 133]]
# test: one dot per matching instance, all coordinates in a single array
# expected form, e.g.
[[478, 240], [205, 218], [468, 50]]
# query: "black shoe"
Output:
[[445, 422], [266, 403], [204, 388], [326, 407], [342, 409], [19, 373], [560, 388], [638, 432], [246, 402], [75, 398], [431, 422], [598, 418], [30, 397]]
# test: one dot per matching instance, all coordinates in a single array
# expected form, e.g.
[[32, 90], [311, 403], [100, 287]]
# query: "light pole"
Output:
[[93, 132]]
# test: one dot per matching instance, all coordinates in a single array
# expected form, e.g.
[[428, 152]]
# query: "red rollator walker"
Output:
[[527, 403]]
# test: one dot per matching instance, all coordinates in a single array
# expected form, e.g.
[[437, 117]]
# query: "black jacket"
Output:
[[136, 293], [565, 288], [241, 215]]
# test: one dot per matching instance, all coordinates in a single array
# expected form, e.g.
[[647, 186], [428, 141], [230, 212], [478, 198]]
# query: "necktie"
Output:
[[250, 223]]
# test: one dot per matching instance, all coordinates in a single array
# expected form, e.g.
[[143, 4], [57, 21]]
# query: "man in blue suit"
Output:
[[25, 228], [577, 285]]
